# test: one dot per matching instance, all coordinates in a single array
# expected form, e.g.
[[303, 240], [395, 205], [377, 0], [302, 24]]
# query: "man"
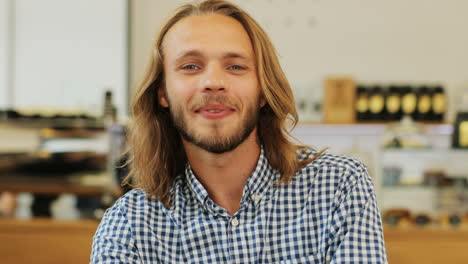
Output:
[[216, 178]]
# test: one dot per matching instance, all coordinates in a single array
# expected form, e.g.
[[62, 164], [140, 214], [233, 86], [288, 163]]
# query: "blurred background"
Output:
[[383, 81]]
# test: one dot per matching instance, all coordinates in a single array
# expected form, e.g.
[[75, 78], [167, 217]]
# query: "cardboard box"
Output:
[[339, 100]]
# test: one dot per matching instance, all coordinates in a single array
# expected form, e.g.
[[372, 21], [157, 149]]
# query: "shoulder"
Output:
[[132, 200], [332, 169], [327, 159], [135, 202]]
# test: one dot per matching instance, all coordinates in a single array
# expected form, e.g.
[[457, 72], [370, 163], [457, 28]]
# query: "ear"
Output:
[[262, 101], [162, 97]]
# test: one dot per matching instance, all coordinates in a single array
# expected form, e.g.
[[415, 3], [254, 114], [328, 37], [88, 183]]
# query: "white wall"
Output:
[[418, 41], [68, 52], [4, 33], [146, 18]]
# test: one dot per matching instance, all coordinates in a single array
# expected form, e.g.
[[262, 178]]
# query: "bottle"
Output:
[[460, 131], [109, 111], [408, 102], [422, 219], [3, 115], [107, 103], [376, 103], [24, 203], [362, 103], [393, 103], [460, 128], [424, 104], [439, 104]]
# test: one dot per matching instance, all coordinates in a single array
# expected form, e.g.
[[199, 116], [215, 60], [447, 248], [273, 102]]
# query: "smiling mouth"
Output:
[[215, 111]]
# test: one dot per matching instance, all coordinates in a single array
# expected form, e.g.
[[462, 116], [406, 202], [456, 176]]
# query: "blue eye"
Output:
[[236, 67], [190, 67]]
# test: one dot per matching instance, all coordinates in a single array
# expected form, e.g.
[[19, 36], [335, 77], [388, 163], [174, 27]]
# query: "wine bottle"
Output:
[[393, 103], [376, 103], [439, 104], [424, 104], [460, 133], [362, 103], [408, 102]]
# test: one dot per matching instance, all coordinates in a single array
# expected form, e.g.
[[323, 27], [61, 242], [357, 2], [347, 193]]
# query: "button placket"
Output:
[[257, 198], [235, 222]]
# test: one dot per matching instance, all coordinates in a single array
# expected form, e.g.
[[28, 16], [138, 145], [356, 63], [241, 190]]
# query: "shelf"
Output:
[[60, 123], [338, 129], [363, 129], [423, 150], [416, 188], [461, 231], [53, 189], [414, 162], [373, 123], [52, 185], [412, 187]]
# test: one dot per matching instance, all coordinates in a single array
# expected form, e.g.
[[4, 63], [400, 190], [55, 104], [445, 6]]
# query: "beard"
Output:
[[220, 142]]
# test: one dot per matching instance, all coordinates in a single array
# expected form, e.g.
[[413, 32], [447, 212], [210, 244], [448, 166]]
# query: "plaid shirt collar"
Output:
[[254, 189]]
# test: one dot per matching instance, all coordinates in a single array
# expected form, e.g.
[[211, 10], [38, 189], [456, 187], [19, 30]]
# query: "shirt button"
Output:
[[235, 222], [256, 198]]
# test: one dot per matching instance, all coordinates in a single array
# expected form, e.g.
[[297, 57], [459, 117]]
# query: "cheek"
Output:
[[180, 89], [249, 89]]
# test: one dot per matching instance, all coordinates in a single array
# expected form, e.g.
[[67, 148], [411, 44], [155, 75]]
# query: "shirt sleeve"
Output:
[[113, 241], [357, 226]]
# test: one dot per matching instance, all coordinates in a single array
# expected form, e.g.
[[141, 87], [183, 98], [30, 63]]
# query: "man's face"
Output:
[[211, 84]]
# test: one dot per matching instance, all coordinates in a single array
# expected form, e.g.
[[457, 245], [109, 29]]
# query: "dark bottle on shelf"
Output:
[[107, 111], [460, 131], [408, 102], [393, 103], [424, 104], [376, 103], [110, 111], [439, 104], [12, 114], [362, 103], [455, 220], [422, 219]]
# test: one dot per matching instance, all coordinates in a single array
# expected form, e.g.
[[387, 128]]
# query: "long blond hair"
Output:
[[154, 146]]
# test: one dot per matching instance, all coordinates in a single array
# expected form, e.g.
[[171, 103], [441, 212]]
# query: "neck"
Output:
[[224, 175]]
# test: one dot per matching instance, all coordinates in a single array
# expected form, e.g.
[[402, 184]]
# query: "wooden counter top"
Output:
[[431, 245], [57, 241], [46, 241]]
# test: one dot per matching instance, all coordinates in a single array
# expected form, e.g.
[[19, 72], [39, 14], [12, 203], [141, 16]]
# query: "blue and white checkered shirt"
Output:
[[327, 214]]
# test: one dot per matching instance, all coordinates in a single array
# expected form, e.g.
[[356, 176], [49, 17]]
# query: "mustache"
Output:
[[214, 99]]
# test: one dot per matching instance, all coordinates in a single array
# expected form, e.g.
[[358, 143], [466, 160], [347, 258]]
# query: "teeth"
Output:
[[214, 111]]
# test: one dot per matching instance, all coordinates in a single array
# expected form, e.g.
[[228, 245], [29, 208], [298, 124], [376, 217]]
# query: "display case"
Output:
[[423, 189], [55, 164], [430, 182]]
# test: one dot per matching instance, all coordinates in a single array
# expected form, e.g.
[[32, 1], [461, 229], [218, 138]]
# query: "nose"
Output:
[[213, 81]]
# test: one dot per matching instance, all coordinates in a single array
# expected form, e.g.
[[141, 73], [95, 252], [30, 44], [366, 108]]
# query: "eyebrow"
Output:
[[234, 55], [190, 53], [197, 53]]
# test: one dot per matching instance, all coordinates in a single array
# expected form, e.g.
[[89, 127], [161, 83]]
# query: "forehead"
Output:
[[211, 34]]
